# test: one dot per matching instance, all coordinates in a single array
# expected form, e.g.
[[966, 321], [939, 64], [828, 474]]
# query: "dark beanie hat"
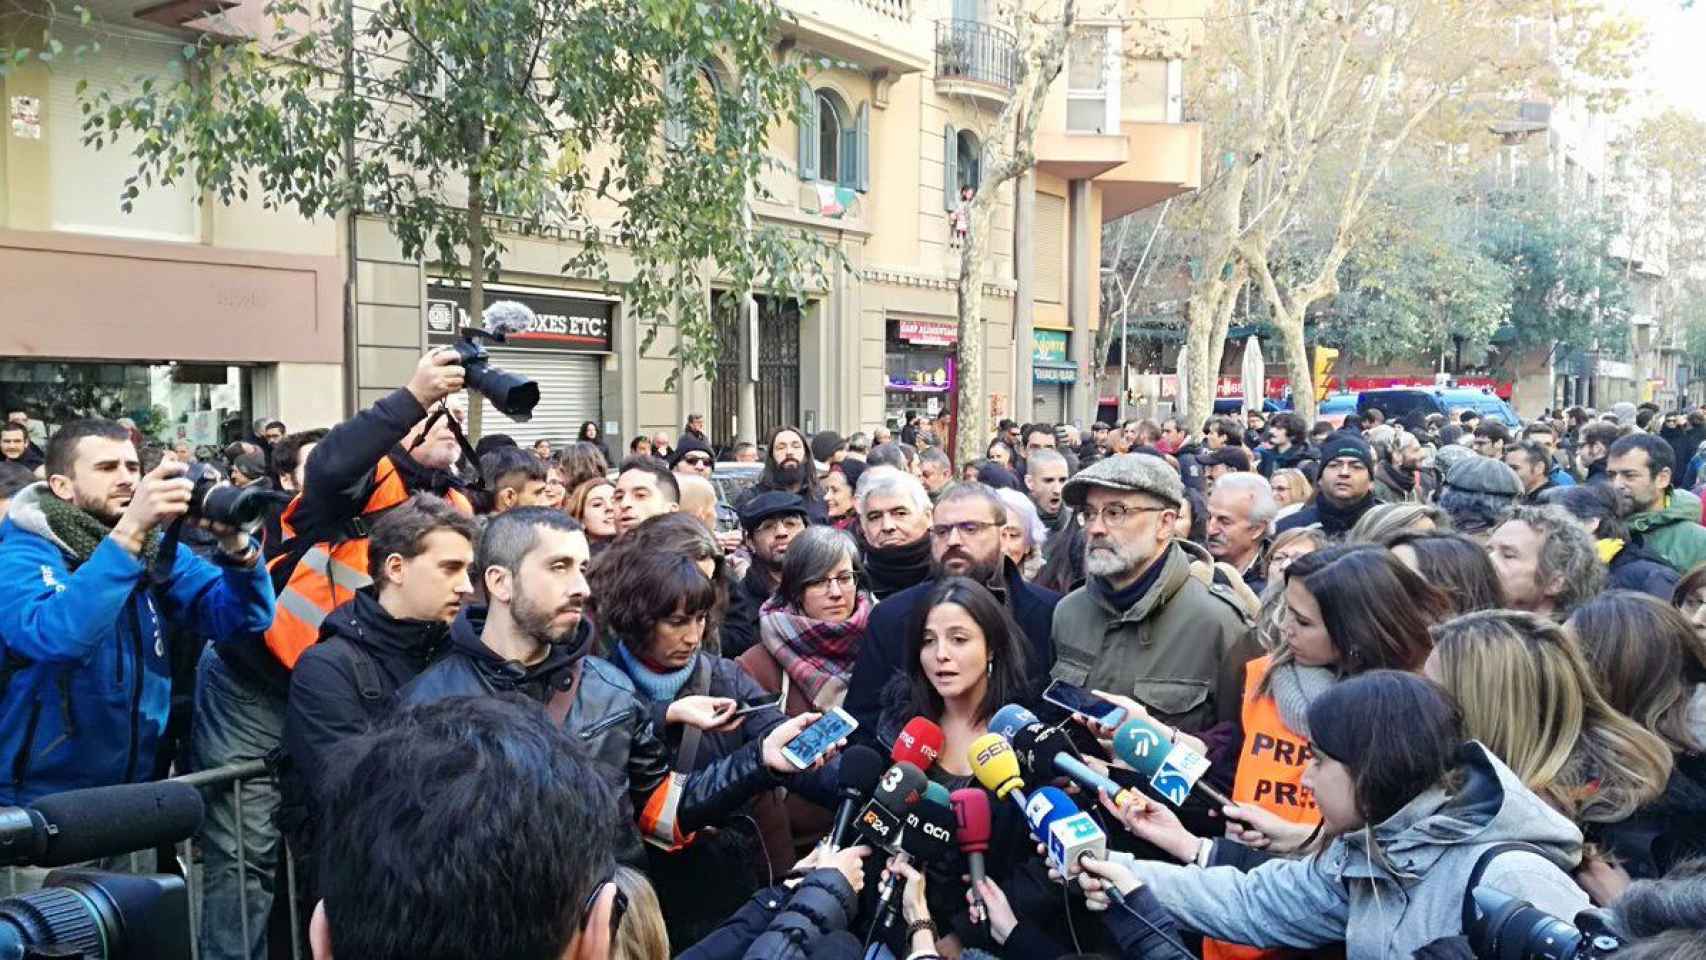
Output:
[[1346, 444], [687, 444]]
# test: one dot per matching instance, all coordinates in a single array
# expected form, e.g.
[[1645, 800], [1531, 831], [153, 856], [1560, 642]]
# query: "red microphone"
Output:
[[919, 743], [971, 812]]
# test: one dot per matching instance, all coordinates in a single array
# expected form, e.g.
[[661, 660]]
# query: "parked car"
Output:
[[1399, 402], [1232, 406], [1337, 407]]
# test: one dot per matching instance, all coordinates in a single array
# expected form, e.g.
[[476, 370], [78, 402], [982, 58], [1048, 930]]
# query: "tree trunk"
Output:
[[971, 421], [476, 284], [1297, 361]]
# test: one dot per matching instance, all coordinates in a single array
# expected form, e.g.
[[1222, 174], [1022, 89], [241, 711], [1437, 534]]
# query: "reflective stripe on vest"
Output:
[[1270, 776], [329, 573]]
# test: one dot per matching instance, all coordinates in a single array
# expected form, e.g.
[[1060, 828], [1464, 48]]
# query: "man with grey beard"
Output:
[[1142, 626]]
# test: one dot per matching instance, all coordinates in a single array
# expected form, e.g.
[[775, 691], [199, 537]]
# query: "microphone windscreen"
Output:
[[971, 818], [1170, 770], [900, 788], [100, 822], [1010, 718], [507, 317], [933, 838], [839, 945], [994, 765], [937, 794], [861, 767], [1141, 746], [1044, 807], [919, 743], [1036, 746]]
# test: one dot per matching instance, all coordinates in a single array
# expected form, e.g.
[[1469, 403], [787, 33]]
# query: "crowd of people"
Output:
[[538, 702]]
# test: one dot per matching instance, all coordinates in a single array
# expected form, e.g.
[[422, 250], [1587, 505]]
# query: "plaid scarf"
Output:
[[816, 654]]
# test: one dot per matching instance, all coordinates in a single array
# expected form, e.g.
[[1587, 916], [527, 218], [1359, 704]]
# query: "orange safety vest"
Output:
[[1270, 776], [330, 571]]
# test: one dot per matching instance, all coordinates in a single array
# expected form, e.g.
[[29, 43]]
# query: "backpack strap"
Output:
[[366, 676], [690, 735], [1481, 863]]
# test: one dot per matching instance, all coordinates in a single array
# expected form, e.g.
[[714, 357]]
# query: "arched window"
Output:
[[830, 137]]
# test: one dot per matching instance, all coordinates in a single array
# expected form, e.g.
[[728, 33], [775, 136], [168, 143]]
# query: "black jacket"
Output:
[[607, 719], [1665, 832], [1333, 521], [1293, 458], [1637, 568], [740, 624], [344, 684], [337, 484], [778, 923], [882, 652]]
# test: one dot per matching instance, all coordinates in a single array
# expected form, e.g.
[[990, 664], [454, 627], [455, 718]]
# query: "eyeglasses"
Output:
[[697, 461], [1115, 514], [845, 581], [618, 907], [967, 528]]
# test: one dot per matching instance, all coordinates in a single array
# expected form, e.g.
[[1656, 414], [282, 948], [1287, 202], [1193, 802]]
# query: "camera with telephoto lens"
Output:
[[1505, 928], [514, 396], [211, 498], [98, 916]]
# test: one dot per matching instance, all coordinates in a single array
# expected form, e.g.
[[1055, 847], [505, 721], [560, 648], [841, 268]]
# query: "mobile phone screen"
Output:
[[1081, 701], [757, 705], [815, 740]]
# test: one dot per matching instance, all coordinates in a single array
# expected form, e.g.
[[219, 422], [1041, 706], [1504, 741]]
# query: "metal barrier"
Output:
[[230, 779]]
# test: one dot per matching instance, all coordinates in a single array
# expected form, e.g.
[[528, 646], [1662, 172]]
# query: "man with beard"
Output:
[[532, 639], [1663, 519], [965, 541], [1529, 462], [420, 556], [1239, 510], [893, 530], [1592, 447], [771, 521], [1045, 479], [1398, 476], [935, 470], [1142, 625], [1345, 491], [788, 467]]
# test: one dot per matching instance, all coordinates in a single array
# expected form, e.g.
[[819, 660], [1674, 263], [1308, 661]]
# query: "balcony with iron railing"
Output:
[[976, 59]]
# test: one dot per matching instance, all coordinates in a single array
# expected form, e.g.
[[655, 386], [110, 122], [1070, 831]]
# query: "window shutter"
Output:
[[950, 178], [675, 79], [862, 137], [808, 132]]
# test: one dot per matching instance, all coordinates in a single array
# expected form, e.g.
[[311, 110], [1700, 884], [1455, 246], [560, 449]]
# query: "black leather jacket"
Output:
[[609, 722]]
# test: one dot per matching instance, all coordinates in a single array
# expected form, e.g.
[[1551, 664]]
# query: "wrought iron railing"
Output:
[[976, 51]]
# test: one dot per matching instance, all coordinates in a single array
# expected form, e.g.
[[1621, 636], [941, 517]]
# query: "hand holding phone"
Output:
[[706, 713], [1077, 700], [753, 706], [810, 737]]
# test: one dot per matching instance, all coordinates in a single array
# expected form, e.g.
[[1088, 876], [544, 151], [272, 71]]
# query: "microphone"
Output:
[[96, 822], [861, 767], [918, 743], [937, 794], [507, 316], [1087, 777], [900, 787], [928, 837], [1173, 771], [1068, 833], [1010, 719], [971, 823], [1036, 746], [997, 767]]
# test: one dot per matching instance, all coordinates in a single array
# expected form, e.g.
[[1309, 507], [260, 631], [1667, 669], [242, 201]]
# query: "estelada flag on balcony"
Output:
[[833, 201]]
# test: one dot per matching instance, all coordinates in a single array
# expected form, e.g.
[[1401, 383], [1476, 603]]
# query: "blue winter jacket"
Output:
[[85, 676]]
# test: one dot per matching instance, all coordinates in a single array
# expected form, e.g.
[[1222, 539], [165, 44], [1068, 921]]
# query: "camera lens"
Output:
[[234, 506], [514, 396], [56, 916]]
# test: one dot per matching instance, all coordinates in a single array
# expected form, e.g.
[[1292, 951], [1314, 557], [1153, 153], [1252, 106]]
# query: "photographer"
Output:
[[88, 678], [358, 471]]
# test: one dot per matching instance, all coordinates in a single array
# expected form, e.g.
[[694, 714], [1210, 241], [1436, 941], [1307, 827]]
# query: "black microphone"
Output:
[[927, 838], [1036, 746], [861, 768], [97, 822]]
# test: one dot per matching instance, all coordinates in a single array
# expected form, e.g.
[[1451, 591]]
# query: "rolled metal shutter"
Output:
[[1050, 407], [571, 392]]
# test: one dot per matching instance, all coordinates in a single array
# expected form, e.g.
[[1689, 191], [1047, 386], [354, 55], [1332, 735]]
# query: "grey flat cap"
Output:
[[1480, 474], [1450, 456], [1131, 472]]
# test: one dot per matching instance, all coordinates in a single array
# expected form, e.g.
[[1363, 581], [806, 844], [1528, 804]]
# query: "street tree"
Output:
[[635, 129]]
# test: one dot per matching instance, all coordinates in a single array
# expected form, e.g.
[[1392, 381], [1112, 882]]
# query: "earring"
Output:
[[991, 669]]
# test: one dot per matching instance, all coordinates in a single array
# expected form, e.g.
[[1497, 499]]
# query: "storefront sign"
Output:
[[1053, 373], [560, 322], [933, 333], [1049, 345]]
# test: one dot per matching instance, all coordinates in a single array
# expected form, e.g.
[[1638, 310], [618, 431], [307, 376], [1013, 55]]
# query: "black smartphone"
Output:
[[753, 706], [1076, 699]]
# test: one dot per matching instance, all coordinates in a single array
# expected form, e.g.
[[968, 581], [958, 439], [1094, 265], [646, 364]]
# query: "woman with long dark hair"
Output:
[[589, 433], [1455, 564]]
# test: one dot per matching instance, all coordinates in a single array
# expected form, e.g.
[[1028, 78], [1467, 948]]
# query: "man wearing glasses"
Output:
[[542, 835], [691, 456], [1142, 626], [965, 541]]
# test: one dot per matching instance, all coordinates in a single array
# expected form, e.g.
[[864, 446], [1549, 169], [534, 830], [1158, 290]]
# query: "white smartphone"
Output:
[[819, 738]]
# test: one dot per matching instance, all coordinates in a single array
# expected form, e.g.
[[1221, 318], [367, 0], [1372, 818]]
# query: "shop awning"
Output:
[[1053, 372]]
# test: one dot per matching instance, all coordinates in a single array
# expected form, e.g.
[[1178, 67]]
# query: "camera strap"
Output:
[[442, 411], [1481, 863]]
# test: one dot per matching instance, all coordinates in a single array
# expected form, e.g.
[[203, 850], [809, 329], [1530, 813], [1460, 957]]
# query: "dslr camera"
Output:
[[1505, 928], [97, 916], [514, 396], [214, 499]]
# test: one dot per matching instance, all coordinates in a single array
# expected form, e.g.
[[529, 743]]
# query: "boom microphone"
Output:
[[97, 822], [1010, 719], [1173, 771], [919, 743], [997, 767], [860, 769]]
